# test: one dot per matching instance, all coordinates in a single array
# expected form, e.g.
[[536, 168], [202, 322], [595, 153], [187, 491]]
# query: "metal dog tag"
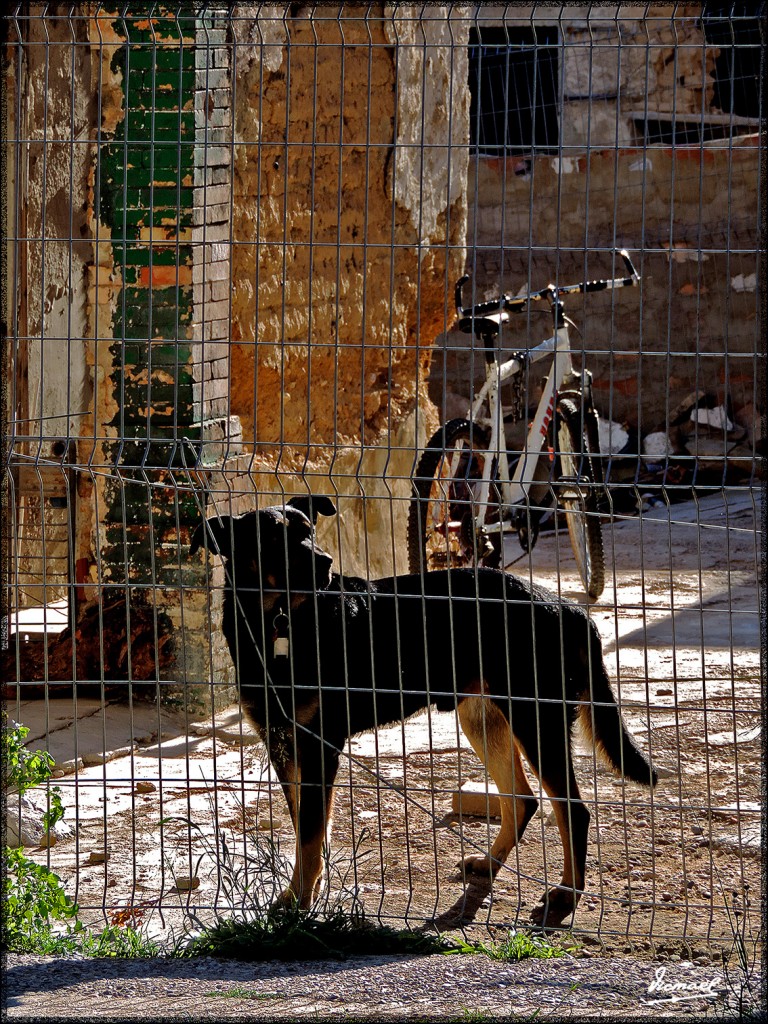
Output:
[[281, 647], [280, 643]]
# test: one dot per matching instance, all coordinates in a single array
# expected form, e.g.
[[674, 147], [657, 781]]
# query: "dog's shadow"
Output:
[[464, 910], [477, 889]]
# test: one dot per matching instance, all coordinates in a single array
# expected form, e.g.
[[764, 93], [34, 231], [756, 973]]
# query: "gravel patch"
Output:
[[456, 988]]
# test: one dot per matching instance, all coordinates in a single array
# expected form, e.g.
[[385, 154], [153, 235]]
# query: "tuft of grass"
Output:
[[514, 947], [113, 941], [742, 963], [288, 933], [335, 927]]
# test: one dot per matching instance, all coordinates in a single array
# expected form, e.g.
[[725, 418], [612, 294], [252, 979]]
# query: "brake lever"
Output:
[[630, 266], [459, 284]]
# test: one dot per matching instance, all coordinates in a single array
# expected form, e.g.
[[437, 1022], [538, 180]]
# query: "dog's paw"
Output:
[[285, 901], [289, 900], [479, 864], [554, 907]]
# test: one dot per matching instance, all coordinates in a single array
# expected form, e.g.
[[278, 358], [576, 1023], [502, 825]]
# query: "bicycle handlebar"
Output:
[[517, 303]]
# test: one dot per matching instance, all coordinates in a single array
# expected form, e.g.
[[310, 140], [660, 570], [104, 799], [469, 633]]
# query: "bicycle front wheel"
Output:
[[442, 518], [576, 487]]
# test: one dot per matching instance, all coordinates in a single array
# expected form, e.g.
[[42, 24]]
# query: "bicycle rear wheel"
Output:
[[577, 493], [441, 520]]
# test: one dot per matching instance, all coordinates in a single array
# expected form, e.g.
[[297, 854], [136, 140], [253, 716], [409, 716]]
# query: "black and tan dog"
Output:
[[320, 657]]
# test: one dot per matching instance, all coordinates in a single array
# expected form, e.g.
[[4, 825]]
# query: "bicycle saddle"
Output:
[[484, 326]]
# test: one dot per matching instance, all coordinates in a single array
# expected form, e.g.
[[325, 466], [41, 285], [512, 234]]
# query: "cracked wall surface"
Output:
[[340, 251]]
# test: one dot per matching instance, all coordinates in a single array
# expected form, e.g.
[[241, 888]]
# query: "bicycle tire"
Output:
[[577, 486], [441, 532]]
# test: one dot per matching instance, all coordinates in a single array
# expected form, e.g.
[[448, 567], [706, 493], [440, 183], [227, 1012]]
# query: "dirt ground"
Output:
[[680, 624]]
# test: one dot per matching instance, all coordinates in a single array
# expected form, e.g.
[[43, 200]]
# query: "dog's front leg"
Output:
[[284, 756], [309, 792]]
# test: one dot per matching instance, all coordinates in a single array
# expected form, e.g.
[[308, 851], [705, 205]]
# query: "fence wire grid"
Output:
[[233, 242]]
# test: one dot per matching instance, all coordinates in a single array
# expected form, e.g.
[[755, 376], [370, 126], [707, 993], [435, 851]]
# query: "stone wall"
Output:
[[257, 179]]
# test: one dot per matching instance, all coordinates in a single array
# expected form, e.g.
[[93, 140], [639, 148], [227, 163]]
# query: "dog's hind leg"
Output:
[[489, 732], [559, 782]]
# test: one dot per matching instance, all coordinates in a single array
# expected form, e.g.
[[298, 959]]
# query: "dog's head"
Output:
[[271, 550]]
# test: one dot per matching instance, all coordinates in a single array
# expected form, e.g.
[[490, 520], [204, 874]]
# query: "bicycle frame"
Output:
[[515, 490]]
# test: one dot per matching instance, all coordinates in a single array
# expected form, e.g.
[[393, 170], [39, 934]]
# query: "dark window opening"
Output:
[[736, 29], [513, 82]]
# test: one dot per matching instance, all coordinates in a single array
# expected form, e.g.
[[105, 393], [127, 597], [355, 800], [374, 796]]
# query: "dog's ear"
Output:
[[219, 534], [313, 505]]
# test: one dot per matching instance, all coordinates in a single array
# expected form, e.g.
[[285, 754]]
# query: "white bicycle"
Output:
[[469, 491]]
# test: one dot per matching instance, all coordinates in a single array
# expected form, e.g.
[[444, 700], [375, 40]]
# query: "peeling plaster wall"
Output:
[[347, 226], [160, 221], [47, 293]]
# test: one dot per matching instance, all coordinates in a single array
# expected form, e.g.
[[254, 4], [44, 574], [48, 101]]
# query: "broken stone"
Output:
[[24, 821], [728, 739], [681, 252], [727, 811], [649, 501], [656, 447], [747, 843], [716, 417], [613, 438], [101, 757], [477, 800], [682, 410], [25, 829], [744, 282], [186, 883], [145, 787], [751, 419]]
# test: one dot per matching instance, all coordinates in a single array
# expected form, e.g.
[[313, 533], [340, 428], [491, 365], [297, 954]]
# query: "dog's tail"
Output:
[[602, 722]]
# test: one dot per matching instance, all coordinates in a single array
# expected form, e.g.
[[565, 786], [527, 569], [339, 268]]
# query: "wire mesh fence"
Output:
[[486, 284]]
